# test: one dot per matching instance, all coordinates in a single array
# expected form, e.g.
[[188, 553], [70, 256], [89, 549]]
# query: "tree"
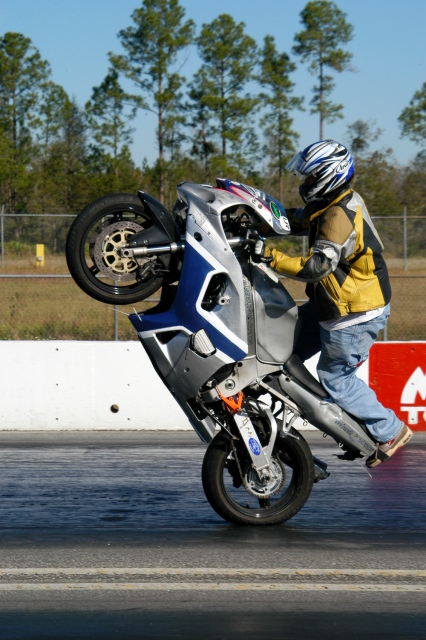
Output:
[[51, 110], [325, 29], [70, 157], [414, 191], [23, 75], [361, 134], [229, 57], [203, 146], [378, 180], [109, 112], [174, 137], [152, 46], [275, 69], [413, 117]]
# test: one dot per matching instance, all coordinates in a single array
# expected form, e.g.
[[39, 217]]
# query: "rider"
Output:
[[347, 286]]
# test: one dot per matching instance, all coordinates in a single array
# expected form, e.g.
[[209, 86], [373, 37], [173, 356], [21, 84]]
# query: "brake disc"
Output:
[[264, 488], [106, 252]]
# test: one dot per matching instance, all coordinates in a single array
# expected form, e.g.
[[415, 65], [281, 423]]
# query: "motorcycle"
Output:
[[221, 337]]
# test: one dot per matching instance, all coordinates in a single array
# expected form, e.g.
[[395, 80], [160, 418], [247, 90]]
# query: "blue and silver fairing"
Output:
[[207, 253]]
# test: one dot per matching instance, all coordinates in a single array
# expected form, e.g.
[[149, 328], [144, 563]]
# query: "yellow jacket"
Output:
[[345, 270]]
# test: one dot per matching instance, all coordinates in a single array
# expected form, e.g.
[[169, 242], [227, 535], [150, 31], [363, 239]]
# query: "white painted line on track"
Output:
[[205, 586], [231, 579], [208, 571]]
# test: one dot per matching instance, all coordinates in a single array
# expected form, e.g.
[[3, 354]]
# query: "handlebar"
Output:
[[174, 247], [153, 249]]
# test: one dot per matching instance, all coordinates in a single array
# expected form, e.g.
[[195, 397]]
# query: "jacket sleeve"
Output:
[[334, 232], [314, 268]]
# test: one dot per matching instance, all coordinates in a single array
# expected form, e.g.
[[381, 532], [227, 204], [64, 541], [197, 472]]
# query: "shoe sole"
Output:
[[401, 443]]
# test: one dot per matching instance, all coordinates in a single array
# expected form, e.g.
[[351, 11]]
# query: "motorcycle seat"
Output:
[[297, 370]]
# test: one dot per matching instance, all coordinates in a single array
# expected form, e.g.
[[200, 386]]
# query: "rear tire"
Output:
[[91, 250], [236, 504]]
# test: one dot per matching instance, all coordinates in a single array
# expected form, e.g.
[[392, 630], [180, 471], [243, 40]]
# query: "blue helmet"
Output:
[[327, 167]]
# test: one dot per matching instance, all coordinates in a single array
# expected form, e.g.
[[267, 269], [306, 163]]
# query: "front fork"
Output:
[[261, 456]]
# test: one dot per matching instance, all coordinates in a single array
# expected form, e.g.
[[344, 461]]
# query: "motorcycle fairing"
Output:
[[267, 207], [187, 312], [207, 253], [183, 371], [275, 316]]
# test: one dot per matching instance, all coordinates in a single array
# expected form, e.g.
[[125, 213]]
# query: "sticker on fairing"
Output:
[[254, 446], [267, 271], [285, 223], [275, 210]]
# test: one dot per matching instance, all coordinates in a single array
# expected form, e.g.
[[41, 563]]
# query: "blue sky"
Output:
[[389, 55]]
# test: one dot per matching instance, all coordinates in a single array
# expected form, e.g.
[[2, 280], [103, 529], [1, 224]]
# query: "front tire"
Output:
[[235, 504], [94, 238]]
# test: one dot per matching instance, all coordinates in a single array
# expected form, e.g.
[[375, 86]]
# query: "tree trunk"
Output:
[[160, 142], [222, 95], [280, 158], [321, 108], [14, 156]]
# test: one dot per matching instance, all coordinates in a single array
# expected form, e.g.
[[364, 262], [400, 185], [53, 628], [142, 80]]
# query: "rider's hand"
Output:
[[261, 253]]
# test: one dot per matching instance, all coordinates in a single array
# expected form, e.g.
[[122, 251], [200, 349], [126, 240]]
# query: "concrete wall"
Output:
[[66, 385]]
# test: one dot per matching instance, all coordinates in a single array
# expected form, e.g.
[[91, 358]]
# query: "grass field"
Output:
[[56, 309], [408, 307]]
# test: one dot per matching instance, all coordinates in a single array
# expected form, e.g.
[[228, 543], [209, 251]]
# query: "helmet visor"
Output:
[[294, 164]]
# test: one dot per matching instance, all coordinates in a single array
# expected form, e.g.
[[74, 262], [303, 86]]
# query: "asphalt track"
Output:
[[109, 535]]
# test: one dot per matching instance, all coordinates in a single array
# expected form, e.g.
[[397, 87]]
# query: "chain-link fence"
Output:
[[40, 301]]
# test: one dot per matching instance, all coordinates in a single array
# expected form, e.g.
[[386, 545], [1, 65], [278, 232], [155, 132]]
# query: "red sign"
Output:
[[397, 374]]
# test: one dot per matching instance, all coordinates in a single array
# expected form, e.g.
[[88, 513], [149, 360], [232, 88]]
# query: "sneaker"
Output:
[[387, 449]]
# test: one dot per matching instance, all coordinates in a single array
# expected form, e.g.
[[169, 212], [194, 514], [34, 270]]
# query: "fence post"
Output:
[[115, 323], [2, 234], [405, 237]]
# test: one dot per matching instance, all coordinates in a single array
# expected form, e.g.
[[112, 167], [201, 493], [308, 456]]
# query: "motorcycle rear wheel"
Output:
[[236, 504], [91, 250]]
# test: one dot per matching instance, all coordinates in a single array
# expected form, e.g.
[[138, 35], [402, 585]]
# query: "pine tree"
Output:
[[362, 133], [152, 47], [48, 137], [229, 57], [325, 29], [23, 75], [200, 121], [109, 112], [413, 117], [275, 69]]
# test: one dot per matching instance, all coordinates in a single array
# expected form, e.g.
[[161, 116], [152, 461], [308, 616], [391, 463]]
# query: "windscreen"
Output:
[[270, 209]]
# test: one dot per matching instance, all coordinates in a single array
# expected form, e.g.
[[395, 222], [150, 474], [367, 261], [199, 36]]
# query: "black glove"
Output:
[[261, 253]]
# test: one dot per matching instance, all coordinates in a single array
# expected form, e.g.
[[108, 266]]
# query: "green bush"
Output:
[[19, 249]]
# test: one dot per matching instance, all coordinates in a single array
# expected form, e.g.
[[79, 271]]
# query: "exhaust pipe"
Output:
[[329, 418], [320, 469]]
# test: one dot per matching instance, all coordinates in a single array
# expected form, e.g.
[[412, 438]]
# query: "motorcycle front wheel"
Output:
[[92, 245], [261, 504]]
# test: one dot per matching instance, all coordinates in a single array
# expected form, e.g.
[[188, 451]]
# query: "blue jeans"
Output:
[[342, 351]]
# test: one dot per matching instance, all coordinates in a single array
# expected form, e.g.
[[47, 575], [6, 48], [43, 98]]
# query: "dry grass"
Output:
[[415, 266], [49, 309], [53, 265], [408, 306], [56, 309]]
